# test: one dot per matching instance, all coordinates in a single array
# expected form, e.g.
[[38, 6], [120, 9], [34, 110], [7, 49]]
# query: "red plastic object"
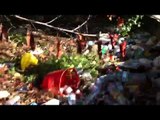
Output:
[[111, 57], [120, 22], [123, 49], [55, 80], [114, 38]]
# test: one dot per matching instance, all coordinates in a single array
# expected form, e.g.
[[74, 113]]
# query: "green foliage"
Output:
[[18, 38], [134, 21], [12, 71], [87, 63], [29, 78]]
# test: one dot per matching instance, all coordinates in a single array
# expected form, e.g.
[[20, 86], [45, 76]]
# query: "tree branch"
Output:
[[33, 26], [157, 17], [9, 21], [54, 19], [79, 26], [56, 28]]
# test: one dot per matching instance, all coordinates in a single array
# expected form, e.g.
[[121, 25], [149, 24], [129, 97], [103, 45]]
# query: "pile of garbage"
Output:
[[135, 80]]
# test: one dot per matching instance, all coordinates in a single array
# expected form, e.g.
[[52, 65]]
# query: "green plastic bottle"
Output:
[[104, 50]]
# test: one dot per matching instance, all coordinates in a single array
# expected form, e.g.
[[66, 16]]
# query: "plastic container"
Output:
[[58, 79], [124, 76]]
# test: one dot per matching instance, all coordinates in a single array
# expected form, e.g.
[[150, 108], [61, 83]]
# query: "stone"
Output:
[[156, 82], [156, 62], [151, 40], [146, 62]]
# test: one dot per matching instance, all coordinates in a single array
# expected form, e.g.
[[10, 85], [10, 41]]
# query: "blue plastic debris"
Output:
[[34, 103]]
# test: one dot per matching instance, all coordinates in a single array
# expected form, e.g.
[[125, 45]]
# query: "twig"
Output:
[[34, 26], [56, 28], [86, 28], [157, 17], [9, 21], [79, 26], [54, 19], [9, 29]]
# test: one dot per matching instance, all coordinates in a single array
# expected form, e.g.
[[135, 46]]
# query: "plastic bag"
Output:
[[27, 60], [13, 100], [4, 94]]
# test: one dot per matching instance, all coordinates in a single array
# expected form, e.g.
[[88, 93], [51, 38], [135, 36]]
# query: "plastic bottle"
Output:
[[124, 76], [72, 99], [104, 49]]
